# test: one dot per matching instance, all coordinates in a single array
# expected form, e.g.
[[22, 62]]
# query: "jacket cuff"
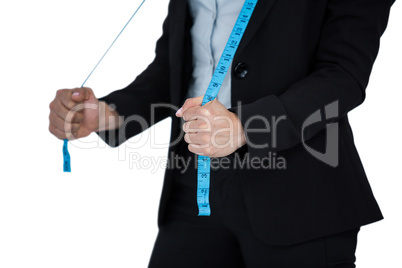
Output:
[[114, 137], [266, 126]]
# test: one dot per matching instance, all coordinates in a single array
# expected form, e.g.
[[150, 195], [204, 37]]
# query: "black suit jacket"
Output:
[[299, 56]]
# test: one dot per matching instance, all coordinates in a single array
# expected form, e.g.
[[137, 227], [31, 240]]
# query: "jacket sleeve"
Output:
[[133, 103], [347, 48]]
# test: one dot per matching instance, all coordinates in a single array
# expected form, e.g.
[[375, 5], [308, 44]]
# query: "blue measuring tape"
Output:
[[66, 157], [204, 162], [66, 154]]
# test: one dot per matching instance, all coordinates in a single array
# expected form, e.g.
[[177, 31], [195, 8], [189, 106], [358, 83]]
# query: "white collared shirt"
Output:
[[213, 21]]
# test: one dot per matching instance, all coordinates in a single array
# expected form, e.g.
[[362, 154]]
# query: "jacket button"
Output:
[[241, 70]]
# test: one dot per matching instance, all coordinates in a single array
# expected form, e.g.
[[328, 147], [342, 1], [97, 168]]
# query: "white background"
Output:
[[104, 213]]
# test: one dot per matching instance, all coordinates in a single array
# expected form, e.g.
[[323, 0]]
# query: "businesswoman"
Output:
[[300, 67]]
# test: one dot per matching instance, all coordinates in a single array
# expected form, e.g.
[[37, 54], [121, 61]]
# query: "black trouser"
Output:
[[225, 238], [191, 245]]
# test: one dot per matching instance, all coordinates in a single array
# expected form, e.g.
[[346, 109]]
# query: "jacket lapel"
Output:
[[259, 14], [176, 43]]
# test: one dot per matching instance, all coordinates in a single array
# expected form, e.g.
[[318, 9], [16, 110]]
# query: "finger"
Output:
[[64, 96], [58, 108], [189, 103], [62, 125], [197, 139], [70, 97], [198, 125], [71, 135], [81, 94], [66, 115], [188, 127], [200, 149], [71, 116], [78, 117], [194, 113], [56, 132]]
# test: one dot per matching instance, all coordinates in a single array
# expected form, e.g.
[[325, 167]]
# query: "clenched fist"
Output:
[[74, 113], [211, 130]]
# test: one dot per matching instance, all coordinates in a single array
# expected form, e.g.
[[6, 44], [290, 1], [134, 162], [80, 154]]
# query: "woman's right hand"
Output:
[[74, 113]]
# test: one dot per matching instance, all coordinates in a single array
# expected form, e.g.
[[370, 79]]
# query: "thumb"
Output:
[[81, 94], [189, 103]]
